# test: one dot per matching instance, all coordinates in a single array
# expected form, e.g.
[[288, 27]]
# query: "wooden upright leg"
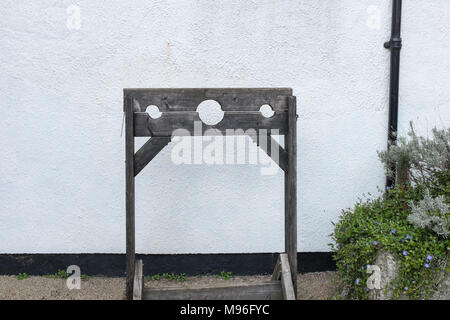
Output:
[[129, 158], [290, 190]]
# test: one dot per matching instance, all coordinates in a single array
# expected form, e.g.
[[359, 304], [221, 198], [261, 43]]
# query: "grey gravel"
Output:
[[317, 285]]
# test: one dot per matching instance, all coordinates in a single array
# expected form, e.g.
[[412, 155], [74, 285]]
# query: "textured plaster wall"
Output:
[[62, 155]]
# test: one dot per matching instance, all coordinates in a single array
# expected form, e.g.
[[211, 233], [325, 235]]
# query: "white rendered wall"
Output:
[[62, 155]]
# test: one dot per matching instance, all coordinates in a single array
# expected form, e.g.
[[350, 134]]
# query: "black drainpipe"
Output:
[[395, 45]]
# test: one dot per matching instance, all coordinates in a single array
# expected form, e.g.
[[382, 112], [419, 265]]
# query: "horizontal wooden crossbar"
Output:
[[230, 99], [165, 126]]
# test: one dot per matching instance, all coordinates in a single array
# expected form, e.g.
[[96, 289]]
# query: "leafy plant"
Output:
[[155, 277], [21, 276], [60, 274], [379, 224], [226, 275], [431, 213], [410, 221], [181, 277], [171, 276], [418, 158]]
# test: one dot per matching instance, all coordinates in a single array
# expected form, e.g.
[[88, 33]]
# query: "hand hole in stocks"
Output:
[[267, 111], [210, 112], [153, 111]]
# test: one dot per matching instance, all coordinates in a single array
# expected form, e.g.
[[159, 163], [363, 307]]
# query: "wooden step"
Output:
[[269, 290]]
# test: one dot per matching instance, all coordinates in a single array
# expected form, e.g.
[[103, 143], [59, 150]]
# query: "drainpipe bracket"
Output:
[[394, 43]]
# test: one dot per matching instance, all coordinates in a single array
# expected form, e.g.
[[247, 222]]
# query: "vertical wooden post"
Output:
[[290, 190], [129, 171]]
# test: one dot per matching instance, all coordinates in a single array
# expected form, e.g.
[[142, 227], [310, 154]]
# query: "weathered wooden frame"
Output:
[[241, 111]]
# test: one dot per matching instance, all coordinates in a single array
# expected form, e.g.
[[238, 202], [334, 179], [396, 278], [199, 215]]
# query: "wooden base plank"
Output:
[[270, 290], [138, 284]]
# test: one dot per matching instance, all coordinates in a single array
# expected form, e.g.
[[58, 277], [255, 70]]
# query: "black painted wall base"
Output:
[[113, 265]]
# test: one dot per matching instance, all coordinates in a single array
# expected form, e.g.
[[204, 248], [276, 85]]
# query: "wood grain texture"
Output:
[[129, 176], [231, 99], [138, 284], [166, 125], [290, 180], [255, 291], [148, 151], [291, 191], [286, 278]]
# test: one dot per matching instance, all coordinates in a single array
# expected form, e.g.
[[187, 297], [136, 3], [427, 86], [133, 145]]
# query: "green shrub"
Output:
[[418, 158], [431, 213], [409, 221]]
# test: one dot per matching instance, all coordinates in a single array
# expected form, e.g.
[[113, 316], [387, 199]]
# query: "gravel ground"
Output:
[[317, 286]]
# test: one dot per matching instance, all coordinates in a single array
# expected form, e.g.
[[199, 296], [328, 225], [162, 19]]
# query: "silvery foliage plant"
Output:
[[417, 158], [431, 213]]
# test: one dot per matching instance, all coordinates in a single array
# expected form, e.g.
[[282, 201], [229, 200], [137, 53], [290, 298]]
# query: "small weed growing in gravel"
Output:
[[168, 276], [172, 276], [156, 277], [61, 274], [226, 275], [21, 276], [182, 277]]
